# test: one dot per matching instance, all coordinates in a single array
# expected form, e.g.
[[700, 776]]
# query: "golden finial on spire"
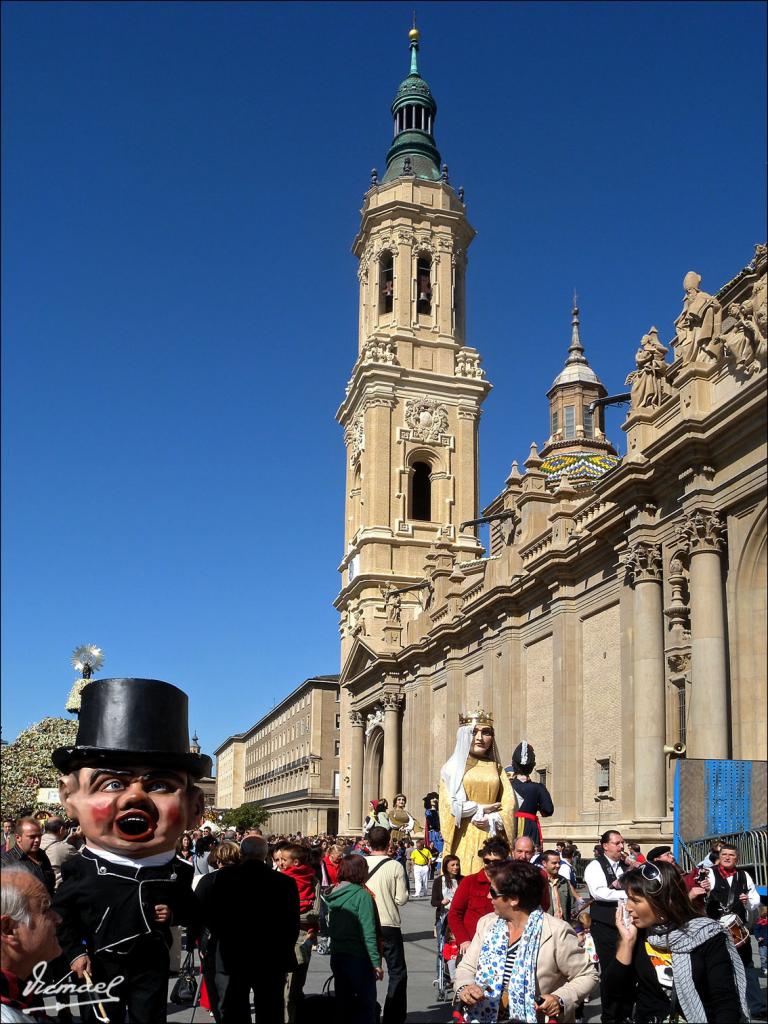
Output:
[[413, 35]]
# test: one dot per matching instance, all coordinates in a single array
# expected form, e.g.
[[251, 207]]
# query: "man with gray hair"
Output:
[[27, 937]]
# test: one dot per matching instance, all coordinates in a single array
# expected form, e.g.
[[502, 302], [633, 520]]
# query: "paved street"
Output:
[[418, 921]]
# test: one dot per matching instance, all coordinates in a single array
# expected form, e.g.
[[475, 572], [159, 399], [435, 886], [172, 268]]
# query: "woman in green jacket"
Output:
[[355, 954]]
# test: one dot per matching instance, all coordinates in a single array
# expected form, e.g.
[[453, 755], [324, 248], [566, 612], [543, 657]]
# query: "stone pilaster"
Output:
[[644, 564], [708, 734], [357, 723], [390, 775]]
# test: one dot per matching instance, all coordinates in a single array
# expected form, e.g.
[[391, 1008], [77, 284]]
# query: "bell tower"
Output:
[[412, 405]]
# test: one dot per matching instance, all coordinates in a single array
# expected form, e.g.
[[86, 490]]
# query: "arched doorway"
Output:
[[374, 756]]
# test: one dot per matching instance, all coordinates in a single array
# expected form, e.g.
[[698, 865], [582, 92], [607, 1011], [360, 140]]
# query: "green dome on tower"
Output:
[[413, 151]]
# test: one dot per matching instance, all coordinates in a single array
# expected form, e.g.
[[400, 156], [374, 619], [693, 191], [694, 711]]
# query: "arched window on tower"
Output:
[[386, 282], [424, 284], [421, 492]]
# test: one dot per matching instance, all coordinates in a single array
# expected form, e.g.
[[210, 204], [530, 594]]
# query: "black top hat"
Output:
[[144, 718]]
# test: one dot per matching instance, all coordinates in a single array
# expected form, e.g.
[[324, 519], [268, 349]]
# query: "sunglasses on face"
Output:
[[492, 861], [493, 894]]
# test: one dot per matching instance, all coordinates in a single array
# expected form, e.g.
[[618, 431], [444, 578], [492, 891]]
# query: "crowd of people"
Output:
[[521, 937], [89, 904]]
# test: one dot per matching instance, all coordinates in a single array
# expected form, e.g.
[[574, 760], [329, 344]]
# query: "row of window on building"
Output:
[[423, 283], [569, 422]]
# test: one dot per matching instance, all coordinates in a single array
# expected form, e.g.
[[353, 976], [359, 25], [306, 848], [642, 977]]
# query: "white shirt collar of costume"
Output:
[[155, 861]]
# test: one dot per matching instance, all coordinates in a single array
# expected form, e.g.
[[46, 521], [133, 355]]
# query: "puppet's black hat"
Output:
[[136, 719], [524, 758]]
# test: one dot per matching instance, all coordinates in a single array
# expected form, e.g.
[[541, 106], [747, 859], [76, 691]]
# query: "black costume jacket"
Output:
[[107, 908]]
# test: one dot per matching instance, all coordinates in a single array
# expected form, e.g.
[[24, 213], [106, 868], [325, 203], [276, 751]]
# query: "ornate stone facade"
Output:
[[610, 619]]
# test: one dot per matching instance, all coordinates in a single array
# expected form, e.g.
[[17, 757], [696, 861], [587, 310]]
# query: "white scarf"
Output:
[[680, 942]]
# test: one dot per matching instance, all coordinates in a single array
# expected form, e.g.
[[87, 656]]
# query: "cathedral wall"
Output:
[[539, 701], [602, 709]]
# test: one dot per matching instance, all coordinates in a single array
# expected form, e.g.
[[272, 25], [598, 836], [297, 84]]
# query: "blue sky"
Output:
[[172, 360]]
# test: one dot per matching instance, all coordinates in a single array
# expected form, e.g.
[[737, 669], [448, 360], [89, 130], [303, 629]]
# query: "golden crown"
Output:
[[477, 717]]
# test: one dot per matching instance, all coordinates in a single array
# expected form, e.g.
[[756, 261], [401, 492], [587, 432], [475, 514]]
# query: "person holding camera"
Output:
[[675, 963]]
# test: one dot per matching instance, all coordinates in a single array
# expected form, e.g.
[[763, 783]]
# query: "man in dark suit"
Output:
[[253, 915], [130, 781], [26, 853]]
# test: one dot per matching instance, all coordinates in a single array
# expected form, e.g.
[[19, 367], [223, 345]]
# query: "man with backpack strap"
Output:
[[387, 883]]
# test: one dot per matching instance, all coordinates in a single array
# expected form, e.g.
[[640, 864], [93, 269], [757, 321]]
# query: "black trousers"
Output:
[[396, 1003], [144, 992], [234, 993], [606, 938]]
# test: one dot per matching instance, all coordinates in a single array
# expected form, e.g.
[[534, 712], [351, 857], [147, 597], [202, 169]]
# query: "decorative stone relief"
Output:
[[392, 604], [392, 701], [647, 380], [741, 337], [427, 419], [356, 719], [468, 365], [679, 663], [355, 438], [704, 530], [355, 621], [379, 350], [698, 326], [374, 719], [378, 401], [678, 612], [643, 562]]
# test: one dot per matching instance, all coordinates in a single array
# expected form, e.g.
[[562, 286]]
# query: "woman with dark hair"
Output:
[[184, 847], [675, 960], [355, 949], [445, 886], [523, 962], [432, 821]]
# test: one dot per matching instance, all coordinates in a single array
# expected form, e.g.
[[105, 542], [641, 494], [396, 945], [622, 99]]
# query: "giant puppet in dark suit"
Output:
[[130, 782]]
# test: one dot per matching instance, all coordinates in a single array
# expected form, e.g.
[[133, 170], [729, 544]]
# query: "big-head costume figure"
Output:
[[130, 782], [476, 799], [533, 797]]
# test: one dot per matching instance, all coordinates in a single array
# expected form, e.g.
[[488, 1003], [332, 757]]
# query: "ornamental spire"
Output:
[[414, 36], [575, 349]]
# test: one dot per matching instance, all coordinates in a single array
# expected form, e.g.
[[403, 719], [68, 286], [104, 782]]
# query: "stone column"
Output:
[[390, 781], [707, 734], [644, 565], [356, 773]]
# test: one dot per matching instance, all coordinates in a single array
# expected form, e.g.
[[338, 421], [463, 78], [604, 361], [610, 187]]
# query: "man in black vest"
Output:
[[602, 879], [130, 781], [732, 891]]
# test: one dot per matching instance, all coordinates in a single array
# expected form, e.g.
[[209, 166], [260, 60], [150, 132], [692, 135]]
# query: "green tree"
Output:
[[26, 765], [245, 816]]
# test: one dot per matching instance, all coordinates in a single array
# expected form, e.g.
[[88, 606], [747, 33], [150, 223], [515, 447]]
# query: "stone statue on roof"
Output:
[[698, 326]]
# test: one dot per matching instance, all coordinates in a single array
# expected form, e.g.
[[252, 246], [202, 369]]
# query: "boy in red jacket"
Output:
[[294, 862]]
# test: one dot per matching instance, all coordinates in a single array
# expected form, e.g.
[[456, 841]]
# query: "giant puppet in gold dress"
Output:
[[476, 798]]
